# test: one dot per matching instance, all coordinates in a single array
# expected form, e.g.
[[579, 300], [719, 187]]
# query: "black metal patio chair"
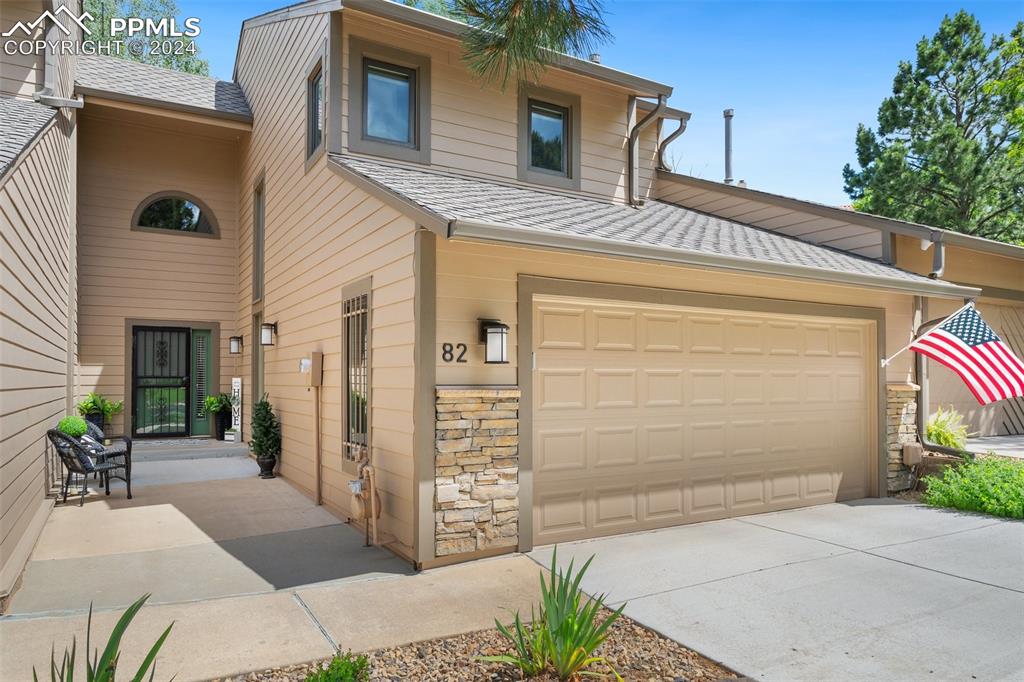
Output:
[[119, 451], [79, 461]]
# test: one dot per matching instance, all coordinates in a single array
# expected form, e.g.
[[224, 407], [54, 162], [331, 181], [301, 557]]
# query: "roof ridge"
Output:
[[162, 69]]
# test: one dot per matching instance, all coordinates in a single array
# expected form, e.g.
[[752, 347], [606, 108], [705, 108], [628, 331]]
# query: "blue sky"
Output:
[[800, 75]]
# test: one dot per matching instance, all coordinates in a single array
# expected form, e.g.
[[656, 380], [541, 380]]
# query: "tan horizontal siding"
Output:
[[21, 75], [37, 245], [481, 281], [473, 128], [323, 233], [126, 274]]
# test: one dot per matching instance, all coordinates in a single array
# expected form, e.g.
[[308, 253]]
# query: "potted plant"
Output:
[[97, 410], [265, 437], [220, 407]]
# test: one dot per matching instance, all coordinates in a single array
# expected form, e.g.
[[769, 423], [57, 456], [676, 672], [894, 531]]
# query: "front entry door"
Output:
[[160, 377]]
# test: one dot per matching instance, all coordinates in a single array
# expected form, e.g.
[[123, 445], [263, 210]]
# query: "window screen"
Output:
[[356, 319]]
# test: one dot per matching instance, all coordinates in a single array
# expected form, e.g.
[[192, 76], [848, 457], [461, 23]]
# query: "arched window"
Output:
[[175, 212]]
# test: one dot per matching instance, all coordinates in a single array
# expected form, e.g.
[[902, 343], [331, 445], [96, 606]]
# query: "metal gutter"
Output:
[[633, 162], [663, 147], [451, 28], [509, 234], [162, 104], [866, 219]]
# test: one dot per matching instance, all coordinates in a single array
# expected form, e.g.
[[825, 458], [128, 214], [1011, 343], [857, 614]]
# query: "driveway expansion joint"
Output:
[[316, 621]]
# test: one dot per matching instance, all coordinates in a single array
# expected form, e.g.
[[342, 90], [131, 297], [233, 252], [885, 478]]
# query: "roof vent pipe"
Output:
[[595, 57], [727, 115]]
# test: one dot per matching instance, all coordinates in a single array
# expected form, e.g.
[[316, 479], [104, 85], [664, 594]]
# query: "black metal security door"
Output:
[[160, 376]]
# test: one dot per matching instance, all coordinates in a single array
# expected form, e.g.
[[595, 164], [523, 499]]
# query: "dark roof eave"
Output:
[[162, 104]]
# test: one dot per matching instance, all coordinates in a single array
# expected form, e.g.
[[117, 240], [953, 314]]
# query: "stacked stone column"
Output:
[[900, 428], [476, 465]]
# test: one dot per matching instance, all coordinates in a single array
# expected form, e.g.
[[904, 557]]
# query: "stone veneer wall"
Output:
[[476, 466], [900, 428]]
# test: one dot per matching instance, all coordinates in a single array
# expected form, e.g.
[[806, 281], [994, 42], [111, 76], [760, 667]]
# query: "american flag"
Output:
[[969, 347]]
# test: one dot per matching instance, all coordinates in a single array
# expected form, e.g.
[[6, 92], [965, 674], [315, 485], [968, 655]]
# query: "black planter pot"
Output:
[[266, 466], [221, 423], [95, 419]]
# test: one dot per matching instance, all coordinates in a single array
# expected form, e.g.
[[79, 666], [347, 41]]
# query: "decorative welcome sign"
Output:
[[236, 407]]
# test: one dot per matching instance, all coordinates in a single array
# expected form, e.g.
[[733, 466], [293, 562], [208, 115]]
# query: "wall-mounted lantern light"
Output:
[[494, 334], [235, 345], [268, 333]]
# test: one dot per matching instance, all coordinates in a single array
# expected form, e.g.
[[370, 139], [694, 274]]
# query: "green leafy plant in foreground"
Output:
[[72, 426], [989, 484], [343, 668], [567, 631], [94, 403], [947, 428], [217, 403], [103, 667]]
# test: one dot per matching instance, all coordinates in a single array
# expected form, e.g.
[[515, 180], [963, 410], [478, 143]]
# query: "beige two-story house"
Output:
[[528, 327]]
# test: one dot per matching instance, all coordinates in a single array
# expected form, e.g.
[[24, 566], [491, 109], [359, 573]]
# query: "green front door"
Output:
[[202, 382]]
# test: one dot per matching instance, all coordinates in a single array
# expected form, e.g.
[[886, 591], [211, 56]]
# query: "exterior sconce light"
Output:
[[235, 345], [494, 334], [268, 333]]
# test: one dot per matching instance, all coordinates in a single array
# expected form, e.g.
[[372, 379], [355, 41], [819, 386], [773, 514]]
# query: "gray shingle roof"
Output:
[[120, 78], [657, 224], [20, 122]]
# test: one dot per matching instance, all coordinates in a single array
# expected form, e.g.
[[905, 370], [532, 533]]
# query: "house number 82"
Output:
[[456, 352]]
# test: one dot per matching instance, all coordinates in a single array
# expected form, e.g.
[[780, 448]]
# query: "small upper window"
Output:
[[315, 111], [389, 102], [389, 108], [548, 140], [549, 128], [176, 213]]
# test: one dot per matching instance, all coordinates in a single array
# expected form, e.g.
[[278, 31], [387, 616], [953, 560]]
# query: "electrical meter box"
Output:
[[312, 368]]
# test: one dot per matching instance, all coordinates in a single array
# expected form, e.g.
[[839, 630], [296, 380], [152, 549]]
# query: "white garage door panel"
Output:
[[647, 416]]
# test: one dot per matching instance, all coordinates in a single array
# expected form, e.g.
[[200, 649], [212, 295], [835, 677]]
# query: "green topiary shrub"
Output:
[[72, 426], [265, 436], [947, 428], [343, 668]]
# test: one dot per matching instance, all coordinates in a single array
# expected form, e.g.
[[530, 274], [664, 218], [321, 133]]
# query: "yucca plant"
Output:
[[529, 641], [571, 621], [102, 668], [565, 634]]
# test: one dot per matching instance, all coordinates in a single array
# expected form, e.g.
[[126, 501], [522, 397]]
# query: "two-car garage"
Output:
[[681, 408]]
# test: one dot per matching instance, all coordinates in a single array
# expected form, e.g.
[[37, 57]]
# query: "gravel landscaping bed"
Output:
[[634, 651]]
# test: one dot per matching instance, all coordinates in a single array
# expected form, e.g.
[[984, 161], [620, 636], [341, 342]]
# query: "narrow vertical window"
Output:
[[356, 328], [314, 111], [257, 359], [258, 231]]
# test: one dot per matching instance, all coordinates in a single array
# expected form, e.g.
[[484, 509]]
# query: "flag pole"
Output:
[[969, 304]]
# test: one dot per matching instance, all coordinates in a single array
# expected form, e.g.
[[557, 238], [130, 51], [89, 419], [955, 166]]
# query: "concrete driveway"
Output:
[[874, 589]]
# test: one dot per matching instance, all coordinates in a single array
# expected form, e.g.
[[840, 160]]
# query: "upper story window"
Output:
[[174, 212], [315, 111], [549, 137], [389, 96]]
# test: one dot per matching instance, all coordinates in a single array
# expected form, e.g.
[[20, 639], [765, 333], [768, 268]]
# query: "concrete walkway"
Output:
[[856, 591], [252, 574], [1007, 446]]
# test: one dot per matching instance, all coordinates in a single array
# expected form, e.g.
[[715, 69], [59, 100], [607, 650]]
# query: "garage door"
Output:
[[647, 416]]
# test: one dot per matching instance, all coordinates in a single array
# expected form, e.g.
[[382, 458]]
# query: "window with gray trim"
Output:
[[315, 110], [356, 362], [389, 102], [174, 212], [258, 238], [549, 137]]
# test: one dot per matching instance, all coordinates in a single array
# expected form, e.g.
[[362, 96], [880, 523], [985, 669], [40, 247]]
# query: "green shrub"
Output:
[[94, 403], [567, 632], [103, 667], [947, 428], [72, 426], [265, 435], [990, 485], [217, 403], [343, 668]]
